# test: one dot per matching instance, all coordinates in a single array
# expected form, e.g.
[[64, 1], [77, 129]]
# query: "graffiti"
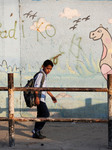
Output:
[[40, 26], [55, 58], [11, 14], [30, 15], [106, 58], [4, 67], [11, 33], [77, 42], [46, 31], [50, 25], [78, 21], [85, 65], [23, 29]]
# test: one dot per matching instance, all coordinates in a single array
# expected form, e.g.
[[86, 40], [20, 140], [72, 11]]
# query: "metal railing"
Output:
[[12, 119]]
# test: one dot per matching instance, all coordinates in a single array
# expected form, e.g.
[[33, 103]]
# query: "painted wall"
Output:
[[69, 32]]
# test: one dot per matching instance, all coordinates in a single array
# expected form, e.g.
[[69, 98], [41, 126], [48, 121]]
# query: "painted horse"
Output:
[[106, 58]]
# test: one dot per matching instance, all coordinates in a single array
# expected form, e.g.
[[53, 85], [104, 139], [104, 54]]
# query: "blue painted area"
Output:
[[36, 0]]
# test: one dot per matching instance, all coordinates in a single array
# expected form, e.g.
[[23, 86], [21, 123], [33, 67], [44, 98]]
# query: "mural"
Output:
[[32, 31], [106, 58]]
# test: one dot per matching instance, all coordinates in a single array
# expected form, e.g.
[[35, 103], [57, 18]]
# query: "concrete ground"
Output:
[[60, 136]]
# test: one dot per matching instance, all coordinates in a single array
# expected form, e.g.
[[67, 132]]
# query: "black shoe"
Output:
[[38, 135]]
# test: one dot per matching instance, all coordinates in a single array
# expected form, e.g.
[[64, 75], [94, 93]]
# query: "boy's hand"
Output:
[[54, 99], [37, 101]]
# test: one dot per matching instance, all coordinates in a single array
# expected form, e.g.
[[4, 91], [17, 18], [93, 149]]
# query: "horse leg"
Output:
[[106, 69]]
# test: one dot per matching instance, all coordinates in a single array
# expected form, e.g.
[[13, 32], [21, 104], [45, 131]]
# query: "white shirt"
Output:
[[38, 80]]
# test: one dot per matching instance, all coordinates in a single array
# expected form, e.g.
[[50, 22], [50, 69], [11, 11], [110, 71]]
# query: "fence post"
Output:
[[109, 84], [11, 109]]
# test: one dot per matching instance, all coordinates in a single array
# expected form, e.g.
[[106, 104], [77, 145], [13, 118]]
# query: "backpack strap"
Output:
[[43, 78], [42, 81]]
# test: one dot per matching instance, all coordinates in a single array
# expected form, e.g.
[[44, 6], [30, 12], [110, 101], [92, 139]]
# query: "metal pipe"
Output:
[[57, 119], [11, 109], [109, 84], [3, 88], [62, 89]]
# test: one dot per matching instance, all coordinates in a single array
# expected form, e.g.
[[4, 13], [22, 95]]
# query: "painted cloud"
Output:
[[40, 25], [69, 13], [110, 21]]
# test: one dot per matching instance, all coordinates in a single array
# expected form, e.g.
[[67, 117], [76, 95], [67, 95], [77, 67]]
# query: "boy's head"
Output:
[[47, 66]]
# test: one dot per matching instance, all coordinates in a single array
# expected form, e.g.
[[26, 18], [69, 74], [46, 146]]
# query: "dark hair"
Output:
[[48, 62]]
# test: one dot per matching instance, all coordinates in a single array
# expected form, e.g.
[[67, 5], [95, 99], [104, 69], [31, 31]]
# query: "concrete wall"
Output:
[[32, 31]]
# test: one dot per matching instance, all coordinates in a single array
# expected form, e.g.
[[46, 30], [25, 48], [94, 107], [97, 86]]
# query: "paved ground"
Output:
[[60, 136]]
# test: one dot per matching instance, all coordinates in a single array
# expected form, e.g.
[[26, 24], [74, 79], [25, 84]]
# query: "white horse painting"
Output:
[[106, 58]]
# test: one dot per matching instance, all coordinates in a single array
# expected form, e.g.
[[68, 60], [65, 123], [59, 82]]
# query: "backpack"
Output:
[[29, 96]]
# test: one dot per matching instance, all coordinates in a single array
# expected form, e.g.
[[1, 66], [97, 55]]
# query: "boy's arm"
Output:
[[37, 101], [37, 84], [52, 97]]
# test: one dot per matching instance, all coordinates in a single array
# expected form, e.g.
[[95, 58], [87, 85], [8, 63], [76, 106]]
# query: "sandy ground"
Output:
[[60, 136]]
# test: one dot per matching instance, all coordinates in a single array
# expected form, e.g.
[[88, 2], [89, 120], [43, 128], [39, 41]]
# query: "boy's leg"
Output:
[[42, 111]]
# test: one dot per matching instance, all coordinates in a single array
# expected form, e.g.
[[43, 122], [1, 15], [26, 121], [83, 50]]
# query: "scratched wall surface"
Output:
[[32, 31]]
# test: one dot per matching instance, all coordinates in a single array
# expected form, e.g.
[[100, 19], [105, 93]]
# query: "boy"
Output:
[[40, 98]]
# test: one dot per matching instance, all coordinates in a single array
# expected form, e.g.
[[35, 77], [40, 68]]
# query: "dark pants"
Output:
[[42, 111]]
